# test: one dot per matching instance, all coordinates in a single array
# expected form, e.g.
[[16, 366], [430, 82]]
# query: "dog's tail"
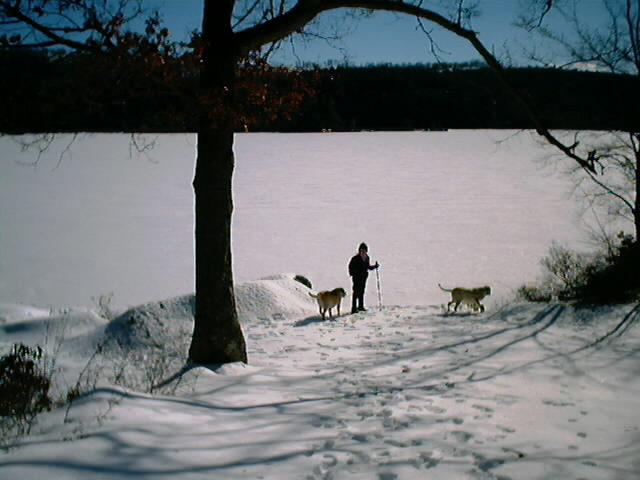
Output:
[[442, 288], [312, 295]]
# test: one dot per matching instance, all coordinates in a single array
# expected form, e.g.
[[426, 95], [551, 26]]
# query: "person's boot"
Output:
[[354, 309]]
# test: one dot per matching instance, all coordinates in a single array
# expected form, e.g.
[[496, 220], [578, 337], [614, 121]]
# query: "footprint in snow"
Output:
[[486, 464], [387, 476], [436, 410], [454, 420], [482, 408], [461, 436], [426, 461], [506, 429], [558, 403]]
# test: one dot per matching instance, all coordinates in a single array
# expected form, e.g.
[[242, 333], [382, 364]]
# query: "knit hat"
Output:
[[363, 246]]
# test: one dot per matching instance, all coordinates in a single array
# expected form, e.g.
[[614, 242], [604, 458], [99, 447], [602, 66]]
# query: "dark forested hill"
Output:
[[44, 93], [419, 97]]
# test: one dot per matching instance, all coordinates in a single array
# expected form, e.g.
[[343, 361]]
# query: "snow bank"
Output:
[[273, 298], [87, 350], [10, 313]]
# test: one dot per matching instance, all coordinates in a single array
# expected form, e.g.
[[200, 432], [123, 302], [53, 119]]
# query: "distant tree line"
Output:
[[468, 96], [44, 91]]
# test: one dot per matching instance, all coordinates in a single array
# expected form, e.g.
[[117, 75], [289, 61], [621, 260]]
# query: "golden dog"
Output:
[[470, 296], [327, 299]]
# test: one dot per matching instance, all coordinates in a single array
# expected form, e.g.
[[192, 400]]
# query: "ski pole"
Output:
[[378, 284]]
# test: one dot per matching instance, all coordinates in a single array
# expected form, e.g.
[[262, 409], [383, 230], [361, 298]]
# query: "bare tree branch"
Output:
[[616, 47], [548, 5], [242, 17], [435, 49], [12, 11], [305, 10], [634, 32]]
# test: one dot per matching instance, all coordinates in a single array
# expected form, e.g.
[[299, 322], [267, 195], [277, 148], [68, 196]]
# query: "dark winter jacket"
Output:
[[359, 267]]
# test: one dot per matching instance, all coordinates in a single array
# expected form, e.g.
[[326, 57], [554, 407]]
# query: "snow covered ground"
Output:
[[522, 391]]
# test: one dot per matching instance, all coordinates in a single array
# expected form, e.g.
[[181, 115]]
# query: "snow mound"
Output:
[[145, 345], [275, 297], [10, 313], [167, 322], [153, 324], [52, 331]]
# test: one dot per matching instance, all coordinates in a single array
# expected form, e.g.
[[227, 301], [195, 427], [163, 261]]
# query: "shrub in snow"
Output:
[[596, 278], [24, 387], [303, 280], [566, 271], [103, 306], [534, 293], [618, 279]]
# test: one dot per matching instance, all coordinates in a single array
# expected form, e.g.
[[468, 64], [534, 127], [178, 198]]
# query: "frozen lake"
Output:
[[458, 208]]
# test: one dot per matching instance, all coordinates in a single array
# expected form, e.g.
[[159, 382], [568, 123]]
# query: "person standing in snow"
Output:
[[359, 267]]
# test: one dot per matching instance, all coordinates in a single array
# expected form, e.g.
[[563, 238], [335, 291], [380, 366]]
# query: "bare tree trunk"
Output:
[[636, 204], [217, 336]]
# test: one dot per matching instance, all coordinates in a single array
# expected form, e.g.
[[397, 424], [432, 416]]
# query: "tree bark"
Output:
[[636, 204], [217, 335]]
